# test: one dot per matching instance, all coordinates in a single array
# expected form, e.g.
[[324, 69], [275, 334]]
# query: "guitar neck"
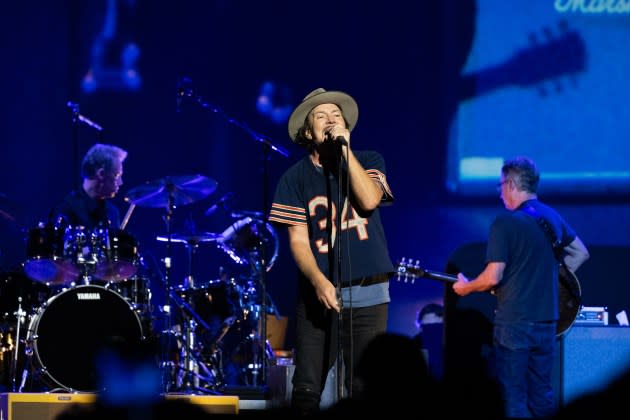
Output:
[[411, 271], [435, 275]]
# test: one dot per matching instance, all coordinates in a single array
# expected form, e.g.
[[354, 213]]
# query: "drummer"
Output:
[[89, 205]]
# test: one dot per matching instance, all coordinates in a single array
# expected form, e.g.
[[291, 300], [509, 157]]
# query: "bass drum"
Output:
[[69, 332]]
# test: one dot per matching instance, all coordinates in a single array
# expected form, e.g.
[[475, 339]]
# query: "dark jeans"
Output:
[[524, 355], [316, 348]]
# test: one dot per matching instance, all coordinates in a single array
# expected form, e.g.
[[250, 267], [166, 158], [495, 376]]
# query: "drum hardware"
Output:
[[264, 258], [14, 345], [193, 373], [191, 241], [251, 240], [246, 239], [167, 193]]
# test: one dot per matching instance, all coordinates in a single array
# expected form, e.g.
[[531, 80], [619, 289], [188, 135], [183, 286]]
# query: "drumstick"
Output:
[[127, 216]]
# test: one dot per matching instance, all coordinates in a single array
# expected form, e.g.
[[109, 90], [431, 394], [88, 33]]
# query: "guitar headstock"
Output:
[[550, 58], [558, 53], [409, 270]]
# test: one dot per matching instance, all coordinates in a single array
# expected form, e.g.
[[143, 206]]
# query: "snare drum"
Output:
[[70, 330]]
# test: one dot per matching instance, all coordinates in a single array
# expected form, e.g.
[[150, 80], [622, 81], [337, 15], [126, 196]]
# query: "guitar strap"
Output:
[[556, 244], [548, 229]]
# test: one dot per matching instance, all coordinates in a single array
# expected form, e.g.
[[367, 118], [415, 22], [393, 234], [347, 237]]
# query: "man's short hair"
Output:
[[101, 156]]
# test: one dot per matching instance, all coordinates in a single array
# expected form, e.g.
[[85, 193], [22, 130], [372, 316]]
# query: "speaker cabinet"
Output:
[[29, 406], [39, 406], [215, 404], [592, 357]]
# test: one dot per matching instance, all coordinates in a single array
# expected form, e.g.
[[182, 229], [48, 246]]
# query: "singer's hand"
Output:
[[327, 295], [338, 133]]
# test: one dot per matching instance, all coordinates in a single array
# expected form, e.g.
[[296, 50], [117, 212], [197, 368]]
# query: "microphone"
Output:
[[339, 139], [220, 202]]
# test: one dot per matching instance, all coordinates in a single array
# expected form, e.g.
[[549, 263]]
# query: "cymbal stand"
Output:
[[20, 315], [192, 365], [168, 329]]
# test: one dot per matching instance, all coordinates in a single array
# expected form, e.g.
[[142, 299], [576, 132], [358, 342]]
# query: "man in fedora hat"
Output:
[[330, 202]]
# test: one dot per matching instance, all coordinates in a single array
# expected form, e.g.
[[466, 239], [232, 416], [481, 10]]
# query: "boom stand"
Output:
[[185, 91]]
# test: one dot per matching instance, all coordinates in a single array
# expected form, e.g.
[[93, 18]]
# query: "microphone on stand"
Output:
[[220, 202], [339, 139]]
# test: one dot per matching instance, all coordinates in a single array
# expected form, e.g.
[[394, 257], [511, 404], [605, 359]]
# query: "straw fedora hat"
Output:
[[320, 96]]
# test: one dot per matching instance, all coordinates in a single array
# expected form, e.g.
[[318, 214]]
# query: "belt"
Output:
[[368, 280]]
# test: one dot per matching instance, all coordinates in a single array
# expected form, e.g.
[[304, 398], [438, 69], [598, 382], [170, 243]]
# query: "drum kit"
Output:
[[80, 289]]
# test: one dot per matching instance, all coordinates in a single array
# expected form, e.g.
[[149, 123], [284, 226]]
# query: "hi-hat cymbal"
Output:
[[194, 238], [175, 190]]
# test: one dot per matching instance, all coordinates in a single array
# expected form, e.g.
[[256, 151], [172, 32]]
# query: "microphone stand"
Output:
[[76, 119], [340, 370], [184, 91]]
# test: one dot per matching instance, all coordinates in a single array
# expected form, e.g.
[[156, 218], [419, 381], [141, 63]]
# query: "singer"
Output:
[[330, 203]]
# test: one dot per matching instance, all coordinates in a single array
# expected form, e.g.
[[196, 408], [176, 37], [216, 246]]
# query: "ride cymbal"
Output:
[[172, 190]]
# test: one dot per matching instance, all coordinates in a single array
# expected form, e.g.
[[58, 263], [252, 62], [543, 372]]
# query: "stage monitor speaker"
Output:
[[215, 404], [29, 406], [42, 406], [592, 357]]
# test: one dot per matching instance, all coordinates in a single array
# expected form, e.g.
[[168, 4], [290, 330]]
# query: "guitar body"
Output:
[[570, 299], [569, 290]]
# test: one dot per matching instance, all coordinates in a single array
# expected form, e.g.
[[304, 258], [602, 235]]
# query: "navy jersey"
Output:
[[306, 194]]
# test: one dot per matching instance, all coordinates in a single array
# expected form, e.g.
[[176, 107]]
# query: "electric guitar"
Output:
[[569, 289]]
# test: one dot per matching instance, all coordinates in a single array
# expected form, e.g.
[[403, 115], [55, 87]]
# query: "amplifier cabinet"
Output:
[[216, 404], [592, 357], [31, 406], [43, 406]]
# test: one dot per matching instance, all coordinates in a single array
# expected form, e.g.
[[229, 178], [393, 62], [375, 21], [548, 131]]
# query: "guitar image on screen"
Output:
[[569, 290]]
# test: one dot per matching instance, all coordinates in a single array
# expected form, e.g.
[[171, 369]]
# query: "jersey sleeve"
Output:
[[374, 165], [288, 206]]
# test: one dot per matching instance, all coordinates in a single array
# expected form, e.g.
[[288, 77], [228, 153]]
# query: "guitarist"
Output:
[[522, 270]]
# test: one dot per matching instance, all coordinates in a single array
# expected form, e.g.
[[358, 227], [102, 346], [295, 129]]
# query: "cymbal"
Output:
[[191, 238], [178, 190]]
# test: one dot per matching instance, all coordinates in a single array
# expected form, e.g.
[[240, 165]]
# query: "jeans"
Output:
[[524, 356], [316, 348]]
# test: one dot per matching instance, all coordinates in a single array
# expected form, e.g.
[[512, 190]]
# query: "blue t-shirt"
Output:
[[528, 290]]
